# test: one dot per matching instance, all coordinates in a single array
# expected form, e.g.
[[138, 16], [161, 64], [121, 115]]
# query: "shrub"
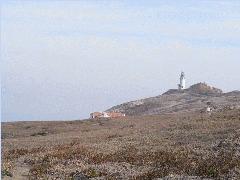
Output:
[[5, 172]]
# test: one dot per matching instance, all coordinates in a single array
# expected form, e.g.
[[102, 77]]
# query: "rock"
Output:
[[203, 88], [79, 176]]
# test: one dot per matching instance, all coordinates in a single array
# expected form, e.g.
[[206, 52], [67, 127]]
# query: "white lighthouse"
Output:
[[182, 84]]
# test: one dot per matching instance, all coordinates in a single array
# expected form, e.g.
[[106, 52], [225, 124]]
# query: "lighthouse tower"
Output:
[[182, 84]]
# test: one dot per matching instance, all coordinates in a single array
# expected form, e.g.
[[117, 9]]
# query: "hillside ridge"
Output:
[[195, 98]]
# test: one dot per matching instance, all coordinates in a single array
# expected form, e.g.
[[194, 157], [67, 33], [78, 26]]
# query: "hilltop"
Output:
[[193, 99]]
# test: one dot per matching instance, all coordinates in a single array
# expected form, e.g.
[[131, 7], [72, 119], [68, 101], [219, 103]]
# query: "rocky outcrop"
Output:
[[195, 98], [203, 88]]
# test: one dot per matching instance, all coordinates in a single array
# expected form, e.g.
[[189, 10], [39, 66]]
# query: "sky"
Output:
[[62, 60]]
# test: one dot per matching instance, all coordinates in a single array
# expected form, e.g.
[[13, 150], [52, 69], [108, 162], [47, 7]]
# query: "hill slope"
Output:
[[195, 98], [172, 146]]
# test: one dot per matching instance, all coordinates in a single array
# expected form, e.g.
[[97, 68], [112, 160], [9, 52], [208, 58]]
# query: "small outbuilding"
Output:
[[106, 115], [208, 110]]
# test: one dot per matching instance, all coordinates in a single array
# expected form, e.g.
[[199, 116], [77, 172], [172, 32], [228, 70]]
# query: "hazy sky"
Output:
[[65, 59]]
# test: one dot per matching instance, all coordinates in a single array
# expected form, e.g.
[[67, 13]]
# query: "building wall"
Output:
[[106, 115]]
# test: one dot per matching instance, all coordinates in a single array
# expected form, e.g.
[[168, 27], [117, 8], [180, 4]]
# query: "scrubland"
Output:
[[167, 146]]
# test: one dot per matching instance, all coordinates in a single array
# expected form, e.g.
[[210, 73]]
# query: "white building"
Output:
[[105, 114], [208, 109], [182, 84]]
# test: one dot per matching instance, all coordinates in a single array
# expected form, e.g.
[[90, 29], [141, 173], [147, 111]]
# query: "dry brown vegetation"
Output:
[[146, 147]]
